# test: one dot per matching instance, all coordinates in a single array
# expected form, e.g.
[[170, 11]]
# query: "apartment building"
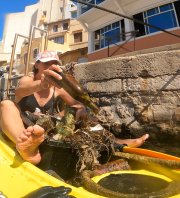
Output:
[[17, 23], [111, 34], [56, 17], [4, 57], [70, 37]]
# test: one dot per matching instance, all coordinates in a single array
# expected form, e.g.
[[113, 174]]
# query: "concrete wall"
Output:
[[142, 91]]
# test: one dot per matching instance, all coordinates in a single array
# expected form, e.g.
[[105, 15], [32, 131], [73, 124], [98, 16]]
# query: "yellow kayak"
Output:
[[19, 178]]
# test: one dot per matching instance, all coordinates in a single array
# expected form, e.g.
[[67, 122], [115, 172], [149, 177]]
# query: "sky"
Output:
[[12, 6]]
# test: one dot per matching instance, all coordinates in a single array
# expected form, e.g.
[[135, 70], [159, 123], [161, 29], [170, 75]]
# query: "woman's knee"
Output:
[[7, 104]]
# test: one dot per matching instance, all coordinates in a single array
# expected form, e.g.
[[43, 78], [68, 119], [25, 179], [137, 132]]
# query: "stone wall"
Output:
[[140, 92]]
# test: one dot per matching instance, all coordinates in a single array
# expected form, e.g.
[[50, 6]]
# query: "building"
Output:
[[65, 33], [53, 10], [17, 23], [71, 37], [4, 57], [110, 34], [68, 34]]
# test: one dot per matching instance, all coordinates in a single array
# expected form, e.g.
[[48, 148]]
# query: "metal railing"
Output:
[[10, 87], [31, 36], [12, 61], [131, 35]]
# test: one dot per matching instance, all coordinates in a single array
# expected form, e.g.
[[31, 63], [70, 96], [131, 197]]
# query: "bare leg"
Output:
[[133, 142], [26, 140], [10, 120]]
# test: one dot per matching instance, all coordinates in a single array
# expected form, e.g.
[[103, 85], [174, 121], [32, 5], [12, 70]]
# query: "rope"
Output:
[[172, 189]]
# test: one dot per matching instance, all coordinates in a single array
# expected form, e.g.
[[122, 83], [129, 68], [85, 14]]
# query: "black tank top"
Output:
[[29, 103]]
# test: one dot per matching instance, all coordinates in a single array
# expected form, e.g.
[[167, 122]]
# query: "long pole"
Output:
[[124, 16], [31, 36], [12, 59]]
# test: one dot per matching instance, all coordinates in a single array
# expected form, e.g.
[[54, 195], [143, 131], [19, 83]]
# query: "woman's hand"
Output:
[[81, 114], [48, 75]]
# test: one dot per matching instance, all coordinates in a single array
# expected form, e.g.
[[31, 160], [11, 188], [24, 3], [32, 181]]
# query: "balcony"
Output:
[[93, 17]]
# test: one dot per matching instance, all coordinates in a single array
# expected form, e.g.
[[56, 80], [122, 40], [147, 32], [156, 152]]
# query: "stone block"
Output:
[[149, 65], [177, 114], [110, 86], [162, 113]]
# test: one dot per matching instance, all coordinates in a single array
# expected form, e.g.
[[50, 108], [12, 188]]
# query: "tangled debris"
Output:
[[87, 141], [89, 144]]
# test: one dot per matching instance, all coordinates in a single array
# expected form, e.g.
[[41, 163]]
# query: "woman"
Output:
[[37, 93]]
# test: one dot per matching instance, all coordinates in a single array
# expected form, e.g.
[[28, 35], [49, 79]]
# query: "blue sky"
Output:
[[11, 6]]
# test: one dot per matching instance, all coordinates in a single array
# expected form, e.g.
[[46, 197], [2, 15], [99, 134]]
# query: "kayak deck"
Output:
[[18, 178]]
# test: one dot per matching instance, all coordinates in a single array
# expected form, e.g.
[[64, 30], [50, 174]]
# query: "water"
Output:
[[133, 183]]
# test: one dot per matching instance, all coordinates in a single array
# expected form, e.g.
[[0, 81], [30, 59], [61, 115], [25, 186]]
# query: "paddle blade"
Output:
[[150, 153]]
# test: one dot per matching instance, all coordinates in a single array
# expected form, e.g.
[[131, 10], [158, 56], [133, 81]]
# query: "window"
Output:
[[177, 8], [65, 26], [44, 13], [138, 26], [35, 52], [55, 28], [99, 1], [97, 39], [25, 58], [59, 40], [165, 17], [162, 16], [85, 8], [18, 56], [78, 37], [61, 9], [110, 34], [75, 3], [73, 14]]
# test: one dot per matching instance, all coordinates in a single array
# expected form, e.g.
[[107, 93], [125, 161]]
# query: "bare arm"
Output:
[[27, 86]]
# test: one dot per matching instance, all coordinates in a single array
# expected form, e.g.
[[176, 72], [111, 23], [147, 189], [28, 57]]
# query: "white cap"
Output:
[[47, 56]]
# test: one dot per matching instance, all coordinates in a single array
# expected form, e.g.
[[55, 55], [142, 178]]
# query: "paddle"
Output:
[[145, 152]]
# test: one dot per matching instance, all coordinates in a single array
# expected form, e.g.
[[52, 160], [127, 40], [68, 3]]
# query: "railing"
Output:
[[9, 90], [31, 36], [10, 87], [131, 35]]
